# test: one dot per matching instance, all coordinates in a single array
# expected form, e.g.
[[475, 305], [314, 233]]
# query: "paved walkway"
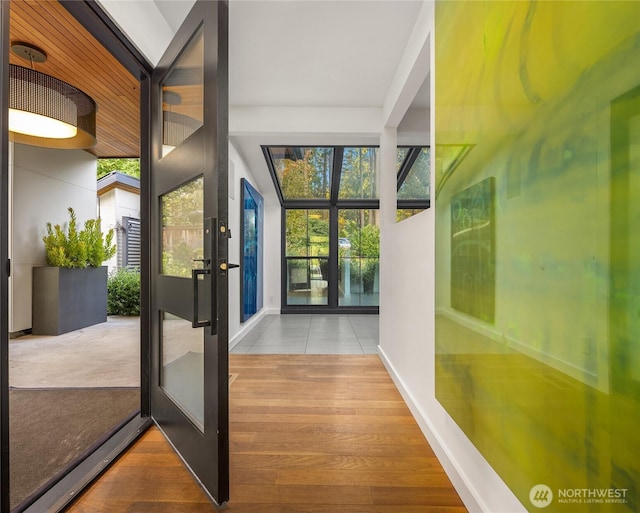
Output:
[[103, 355]]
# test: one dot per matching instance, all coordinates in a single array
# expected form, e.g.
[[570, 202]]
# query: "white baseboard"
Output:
[[472, 503], [472, 499], [247, 326]]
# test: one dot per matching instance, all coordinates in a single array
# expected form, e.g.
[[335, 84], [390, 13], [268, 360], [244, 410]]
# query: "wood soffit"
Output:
[[75, 56]]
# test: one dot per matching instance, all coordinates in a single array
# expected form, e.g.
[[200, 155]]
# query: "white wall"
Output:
[[272, 241], [45, 183]]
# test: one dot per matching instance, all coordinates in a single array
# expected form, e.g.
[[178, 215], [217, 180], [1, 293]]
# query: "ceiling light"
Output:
[[45, 111]]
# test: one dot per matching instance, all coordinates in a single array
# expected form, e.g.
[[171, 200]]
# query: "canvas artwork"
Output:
[[251, 248]]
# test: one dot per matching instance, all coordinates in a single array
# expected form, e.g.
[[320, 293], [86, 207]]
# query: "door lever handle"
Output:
[[224, 266]]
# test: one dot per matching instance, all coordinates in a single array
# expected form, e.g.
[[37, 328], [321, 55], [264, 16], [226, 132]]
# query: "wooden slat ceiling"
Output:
[[77, 58]]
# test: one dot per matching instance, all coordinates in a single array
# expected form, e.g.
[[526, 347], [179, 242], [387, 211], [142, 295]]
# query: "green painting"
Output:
[[538, 335]]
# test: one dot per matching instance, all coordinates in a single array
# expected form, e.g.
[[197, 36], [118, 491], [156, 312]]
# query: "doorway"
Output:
[[185, 154], [64, 394]]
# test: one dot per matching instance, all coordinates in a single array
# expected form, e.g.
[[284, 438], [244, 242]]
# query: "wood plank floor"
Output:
[[308, 434]]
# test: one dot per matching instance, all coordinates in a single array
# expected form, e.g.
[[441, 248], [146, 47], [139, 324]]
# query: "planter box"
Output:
[[68, 299]]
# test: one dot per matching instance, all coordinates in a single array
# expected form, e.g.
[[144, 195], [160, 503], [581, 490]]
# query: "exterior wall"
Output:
[[272, 239], [45, 183], [107, 212], [113, 205]]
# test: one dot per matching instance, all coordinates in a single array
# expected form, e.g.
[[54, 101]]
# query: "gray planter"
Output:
[[68, 299]]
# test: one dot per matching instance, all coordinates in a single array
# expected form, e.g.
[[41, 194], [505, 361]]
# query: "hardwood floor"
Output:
[[308, 434]]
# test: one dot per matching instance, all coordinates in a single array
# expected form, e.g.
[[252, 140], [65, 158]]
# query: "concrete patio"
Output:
[[103, 355]]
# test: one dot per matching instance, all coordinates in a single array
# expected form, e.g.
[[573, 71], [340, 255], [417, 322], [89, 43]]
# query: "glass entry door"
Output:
[[189, 357]]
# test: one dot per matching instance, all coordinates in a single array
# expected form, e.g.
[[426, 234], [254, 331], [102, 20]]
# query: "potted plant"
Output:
[[71, 291]]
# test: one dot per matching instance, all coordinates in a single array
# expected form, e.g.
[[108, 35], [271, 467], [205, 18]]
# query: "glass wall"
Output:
[[359, 174], [358, 257], [302, 173], [537, 164], [307, 256], [330, 196]]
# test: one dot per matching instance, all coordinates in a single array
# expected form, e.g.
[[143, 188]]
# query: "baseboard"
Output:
[[461, 482], [247, 326]]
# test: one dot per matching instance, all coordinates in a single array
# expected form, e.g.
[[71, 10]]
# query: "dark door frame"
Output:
[[91, 17], [4, 257], [204, 153]]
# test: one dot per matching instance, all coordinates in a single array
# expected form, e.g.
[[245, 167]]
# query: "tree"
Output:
[[307, 178], [359, 174], [129, 167]]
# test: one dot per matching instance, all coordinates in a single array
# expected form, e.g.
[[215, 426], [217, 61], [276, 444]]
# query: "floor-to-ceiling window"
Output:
[[358, 257], [307, 256], [331, 229]]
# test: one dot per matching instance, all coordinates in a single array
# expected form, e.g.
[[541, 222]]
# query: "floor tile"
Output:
[[314, 334]]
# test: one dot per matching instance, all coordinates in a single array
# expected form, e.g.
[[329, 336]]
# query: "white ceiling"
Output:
[[316, 53], [293, 54]]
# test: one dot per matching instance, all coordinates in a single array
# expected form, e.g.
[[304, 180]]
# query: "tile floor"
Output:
[[312, 334]]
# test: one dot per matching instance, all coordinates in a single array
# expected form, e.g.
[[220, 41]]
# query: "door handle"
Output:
[[224, 266], [195, 273]]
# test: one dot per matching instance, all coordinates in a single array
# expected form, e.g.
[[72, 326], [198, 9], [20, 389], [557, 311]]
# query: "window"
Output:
[[302, 173], [414, 176], [331, 199], [307, 256], [358, 257], [359, 174]]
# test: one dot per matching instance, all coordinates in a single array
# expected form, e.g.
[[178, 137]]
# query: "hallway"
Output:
[[308, 434]]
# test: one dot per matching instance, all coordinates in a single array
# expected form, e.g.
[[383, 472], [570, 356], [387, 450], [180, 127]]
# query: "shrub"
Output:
[[123, 293], [72, 248]]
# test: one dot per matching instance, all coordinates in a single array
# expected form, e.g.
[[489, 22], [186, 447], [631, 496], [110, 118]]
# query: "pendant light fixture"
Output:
[[45, 111]]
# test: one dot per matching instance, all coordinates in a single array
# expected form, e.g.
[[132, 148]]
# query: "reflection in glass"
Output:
[[416, 184], [303, 173], [358, 254], [473, 250], [359, 178], [401, 154], [182, 374], [182, 222], [183, 96], [539, 363], [307, 281]]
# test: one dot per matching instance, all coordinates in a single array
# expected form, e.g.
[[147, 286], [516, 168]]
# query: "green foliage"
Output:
[[359, 174], [129, 167], [78, 249], [182, 223], [307, 178], [360, 228], [307, 232], [123, 293], [179, 261]]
